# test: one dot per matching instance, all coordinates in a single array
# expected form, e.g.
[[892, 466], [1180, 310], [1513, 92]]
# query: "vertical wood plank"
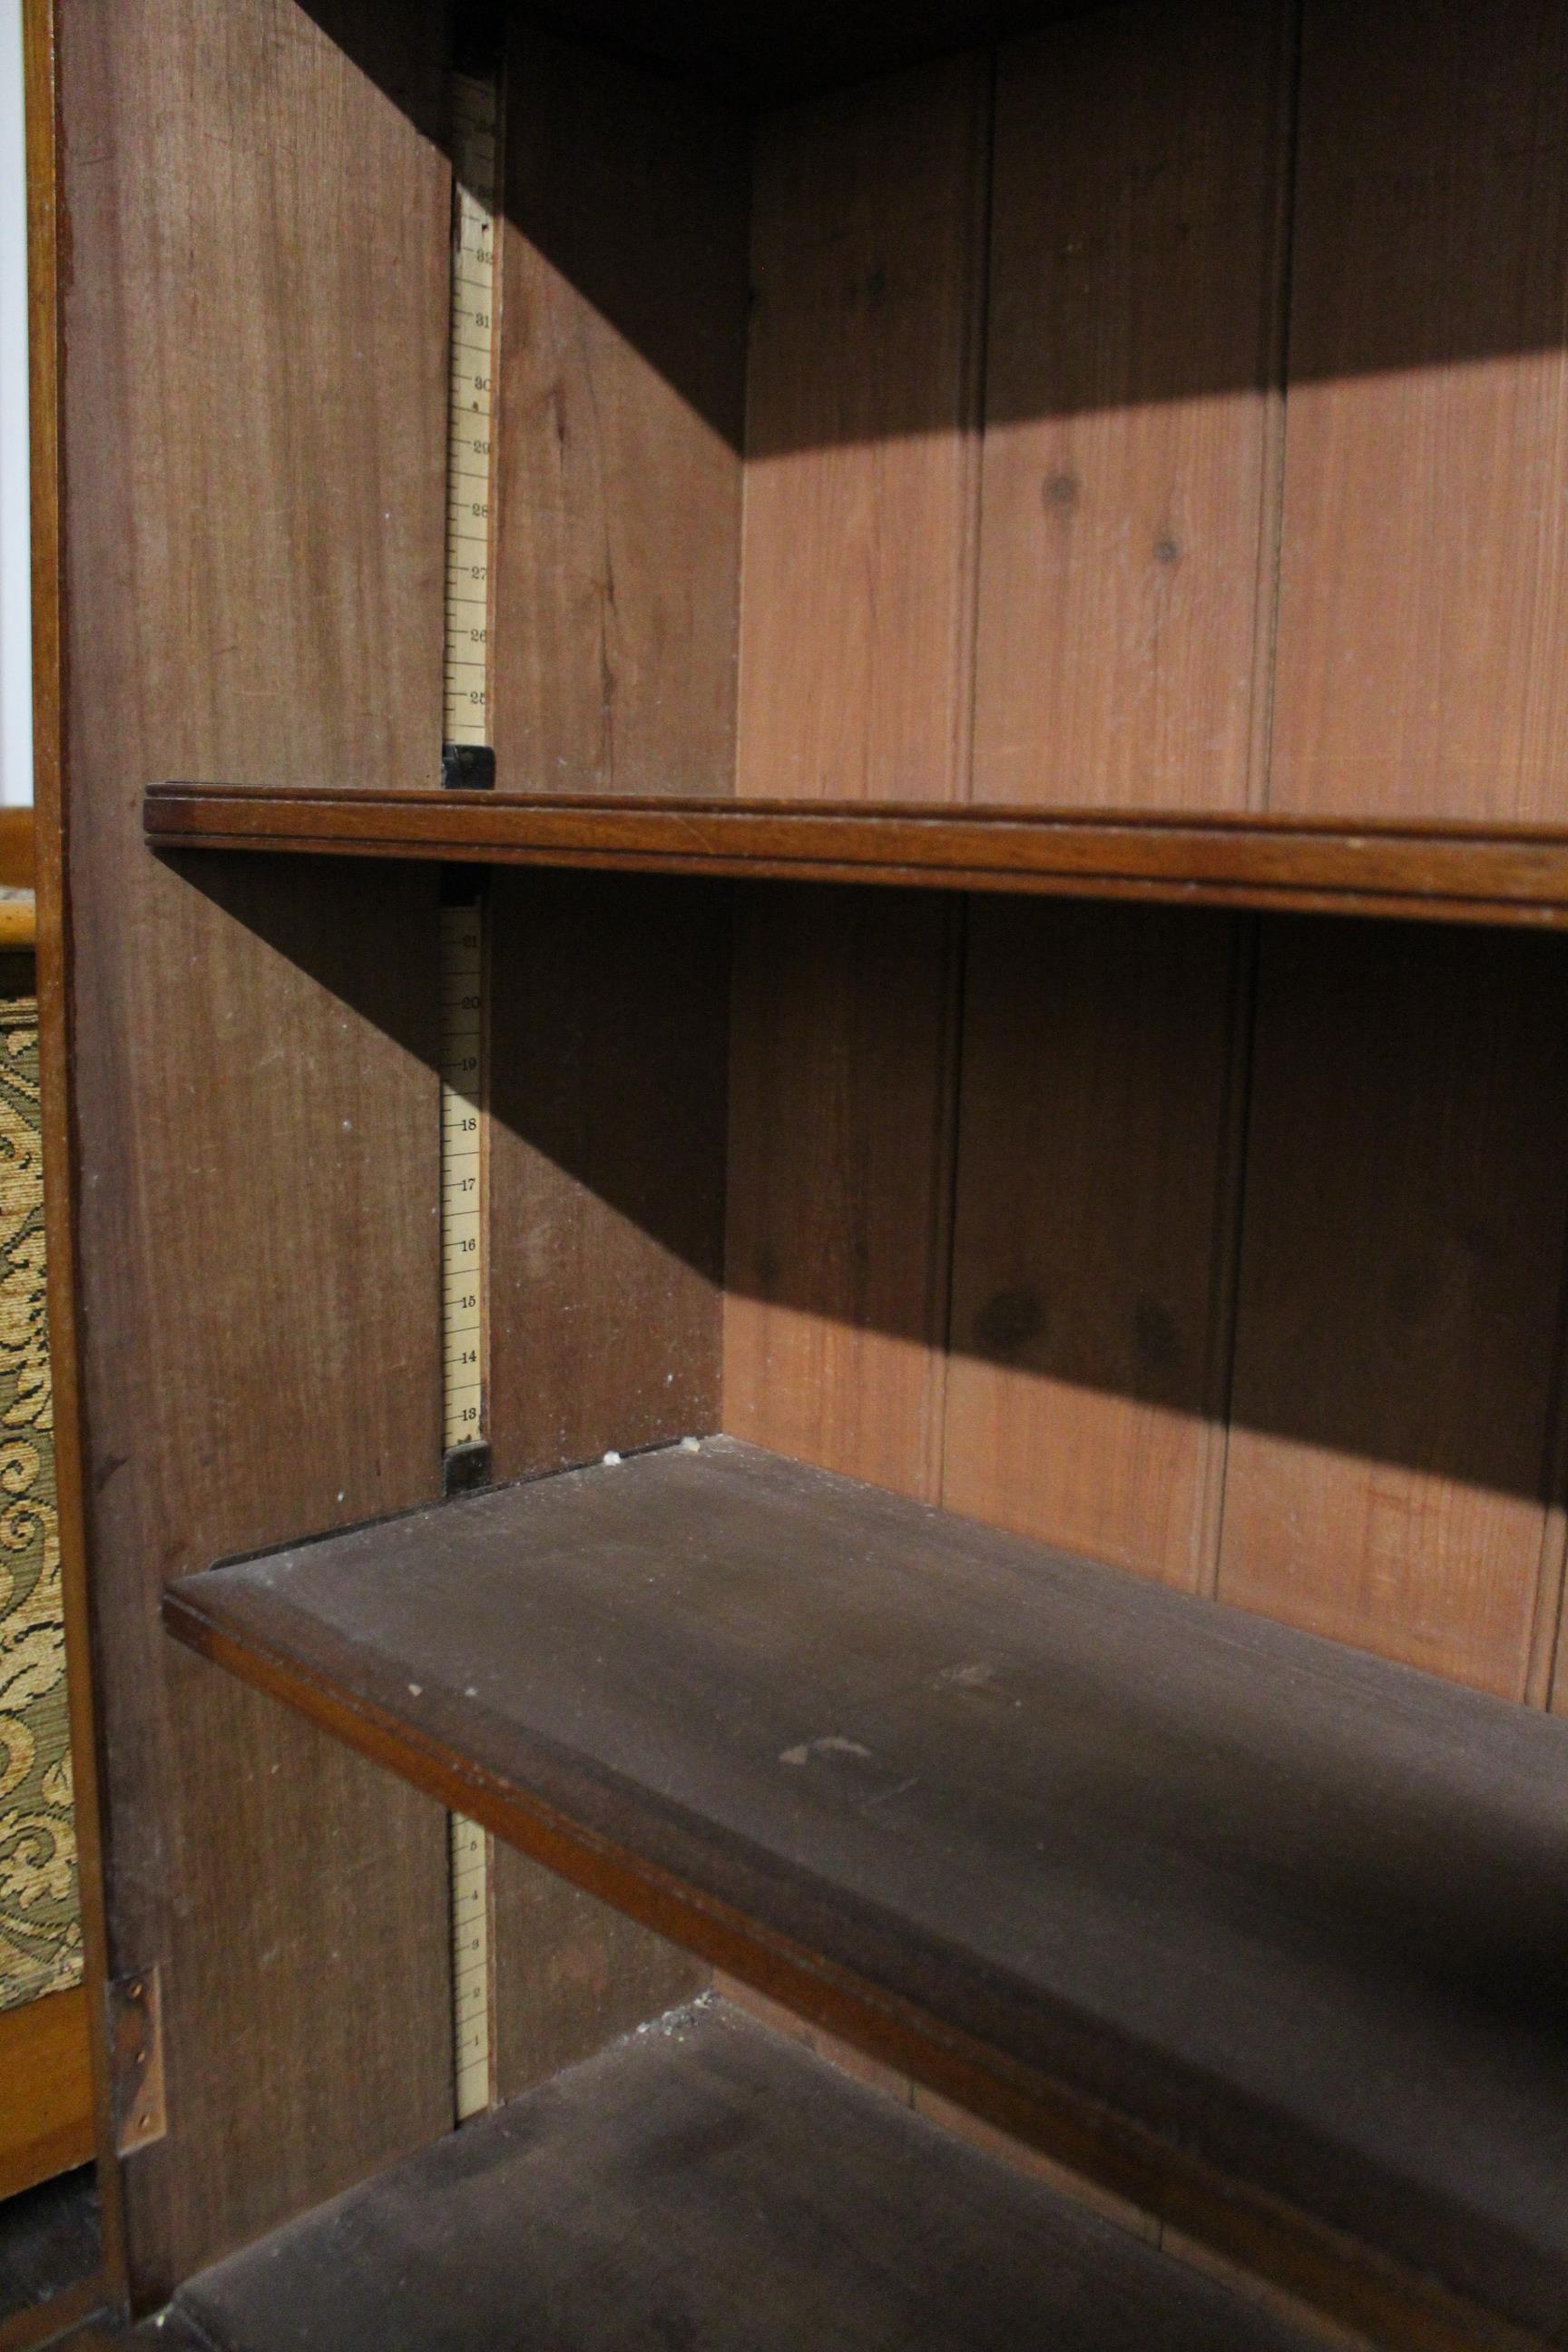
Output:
[[609, 1009], [229, 329], [1546, 1682], [572, 1975], [1087, 1250], [258, 1184], [252, 589], [610, 1024], [1401, 1276], [621, 399], [1423, 583], [48, 233], [1128, 483], [858, 610], [839, 1178]]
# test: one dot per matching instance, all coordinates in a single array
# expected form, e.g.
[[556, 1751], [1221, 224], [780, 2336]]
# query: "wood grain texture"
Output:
[[46, 2090], [609, 1020], [253, 552], [1091, 1142], [712, 2185], [46, 243], [1016, 2154], [290, 525], [1128, 501], [1328, 2334], [17, 854], [1019, 2157], [619, 424], [840, 1152], [1424, 583], [1259, 1931], [572, 1975], [1400, 1288], [609, 1023], [263, 1356], [1455, 874], [861, 440]]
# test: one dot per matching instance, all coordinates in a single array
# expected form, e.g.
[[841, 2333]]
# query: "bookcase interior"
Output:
[[1226, 1250], [1072, 421], [1130, 409]]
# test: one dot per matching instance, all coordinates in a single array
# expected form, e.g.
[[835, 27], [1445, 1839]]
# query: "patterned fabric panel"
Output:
[[41, 1926]]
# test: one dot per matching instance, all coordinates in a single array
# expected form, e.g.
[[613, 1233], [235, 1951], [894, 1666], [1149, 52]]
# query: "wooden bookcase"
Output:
[[1027, 1179]]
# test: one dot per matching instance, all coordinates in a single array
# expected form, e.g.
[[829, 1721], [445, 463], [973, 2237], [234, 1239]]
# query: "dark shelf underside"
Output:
[[1428, 872], [1266, 1934]]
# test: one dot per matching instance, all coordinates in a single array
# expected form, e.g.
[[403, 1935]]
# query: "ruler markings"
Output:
[[475, 111], [462, 1165]]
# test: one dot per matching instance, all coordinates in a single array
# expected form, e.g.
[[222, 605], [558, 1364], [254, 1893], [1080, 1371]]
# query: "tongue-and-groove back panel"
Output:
[[1269, 513], [1160, 410]]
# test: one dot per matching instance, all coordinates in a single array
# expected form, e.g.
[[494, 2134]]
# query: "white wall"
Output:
[[15, 633]]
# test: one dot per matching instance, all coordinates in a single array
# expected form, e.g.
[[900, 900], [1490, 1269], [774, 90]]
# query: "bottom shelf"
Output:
[[706, 2184]]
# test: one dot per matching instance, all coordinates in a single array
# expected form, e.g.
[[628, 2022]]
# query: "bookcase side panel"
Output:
[[253, 425]]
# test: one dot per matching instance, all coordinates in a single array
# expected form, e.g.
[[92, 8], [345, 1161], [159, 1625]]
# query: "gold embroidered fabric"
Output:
[[40, 1924]]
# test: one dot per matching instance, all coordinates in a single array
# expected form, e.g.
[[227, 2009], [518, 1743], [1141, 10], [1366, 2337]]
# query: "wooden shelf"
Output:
[[709, 2184], [1264, 1933], [1436, 873]]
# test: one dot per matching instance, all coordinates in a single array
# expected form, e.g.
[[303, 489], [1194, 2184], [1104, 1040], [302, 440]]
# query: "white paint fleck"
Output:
[[830, 1745]]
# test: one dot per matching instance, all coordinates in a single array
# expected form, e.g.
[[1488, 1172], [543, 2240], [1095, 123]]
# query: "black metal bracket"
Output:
[[467, 768], [465, 1468]]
